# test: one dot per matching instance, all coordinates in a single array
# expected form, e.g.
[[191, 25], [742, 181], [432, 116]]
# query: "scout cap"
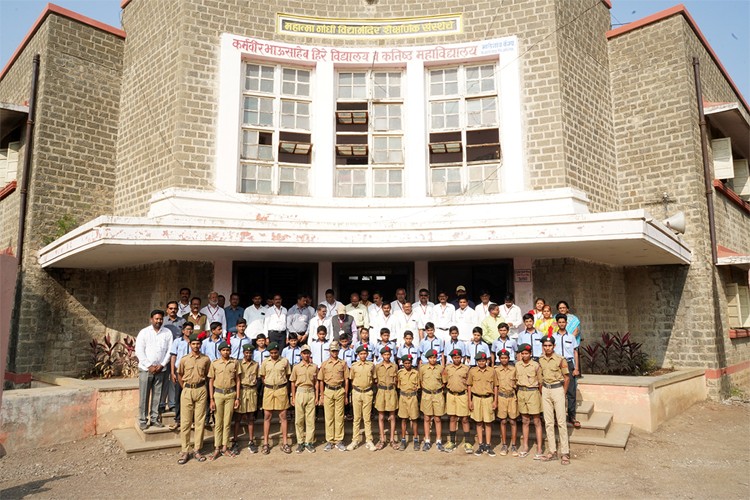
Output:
[[247, 347], [341, 309], [385, 350], [223, 346], [480, 355], [334, 346], [549, 339], [504, 352], [430, 353], [194, 337], [273, 346], [361, 348], [524, 347], [305, 348], [456, 352], [406, 357]]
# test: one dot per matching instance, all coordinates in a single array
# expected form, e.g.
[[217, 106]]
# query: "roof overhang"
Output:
[[11, 117], [728, 118], [631, 238], [728, 257]]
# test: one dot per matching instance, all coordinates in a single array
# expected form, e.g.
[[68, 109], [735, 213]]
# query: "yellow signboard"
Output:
[[364, 28]]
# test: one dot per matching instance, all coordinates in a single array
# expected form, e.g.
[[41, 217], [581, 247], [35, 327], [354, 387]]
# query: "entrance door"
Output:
[[493, 276], [269, 278], [384, 278]]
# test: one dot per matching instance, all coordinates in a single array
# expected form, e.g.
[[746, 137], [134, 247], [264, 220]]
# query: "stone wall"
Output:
[[595, 293], [72, 174], [679, 311]]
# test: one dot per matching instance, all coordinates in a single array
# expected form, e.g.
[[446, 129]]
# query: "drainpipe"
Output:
[[29, 143], [706, 166]]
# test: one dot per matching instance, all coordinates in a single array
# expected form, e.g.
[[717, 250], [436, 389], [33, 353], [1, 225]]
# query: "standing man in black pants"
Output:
[[275, 324]]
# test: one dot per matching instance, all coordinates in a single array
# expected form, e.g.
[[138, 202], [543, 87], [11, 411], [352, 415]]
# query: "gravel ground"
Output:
[[702, 453]]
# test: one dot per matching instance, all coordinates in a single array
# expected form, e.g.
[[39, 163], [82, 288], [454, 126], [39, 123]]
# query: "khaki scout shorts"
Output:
[[386, 400], [482, 409], [456, 405], [248, 400], [433, 405], [407, 407], [507, 407], [274, 400], [529, 402]]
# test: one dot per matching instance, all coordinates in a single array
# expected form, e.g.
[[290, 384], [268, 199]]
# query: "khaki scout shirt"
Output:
[[386, 374], [481, 380], [362, 374], [528, 375], [304, 375], [275, 372], [194, 369], [553, 368], [249, 375], [224, 373], [455, 377], [408, 380], [431, 377], [506, 378], [333, 371]]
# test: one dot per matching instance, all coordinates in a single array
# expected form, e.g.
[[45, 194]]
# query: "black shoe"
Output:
[[157, 424]]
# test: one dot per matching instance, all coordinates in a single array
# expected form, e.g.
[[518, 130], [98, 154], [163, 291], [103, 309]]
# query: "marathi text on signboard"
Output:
[[358, 28]]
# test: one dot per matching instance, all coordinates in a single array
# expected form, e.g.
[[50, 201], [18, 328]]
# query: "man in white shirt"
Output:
[[391, 321], [512, 315], [317, 321], [255, 315], [214, 311], [331, 304], [423, 311], [397, 306], [442, 317], [409, 321], [482, 309], [275, 324], [375, 310], [152, 348], [358, 311], [184, 304], [465, 319]]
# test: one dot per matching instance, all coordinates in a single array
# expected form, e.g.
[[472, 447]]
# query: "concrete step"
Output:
[[584, 410], [132, 442], [152, 434], [596, 425], [617, 436]]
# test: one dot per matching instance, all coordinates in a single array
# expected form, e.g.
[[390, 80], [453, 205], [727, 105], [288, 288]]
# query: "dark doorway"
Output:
[[374, 277], [494, 276], [268, 278]]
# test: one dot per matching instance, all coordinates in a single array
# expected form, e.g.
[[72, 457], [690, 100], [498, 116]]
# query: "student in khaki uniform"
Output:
[[482, 387], [528, 382], [275, 372], [304, 399], [507, 406], [408, 385], [362, 377], [191, 375], [555, 380], [456, 401], [386, 399], [333, 386], [433, 401], [248, 397], [224, 387]]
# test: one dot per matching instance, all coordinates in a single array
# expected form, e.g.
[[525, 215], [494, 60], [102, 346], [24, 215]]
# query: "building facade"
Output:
[[522, 147]]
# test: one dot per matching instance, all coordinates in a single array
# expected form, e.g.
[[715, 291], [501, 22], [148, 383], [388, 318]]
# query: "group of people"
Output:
[[487, 362]]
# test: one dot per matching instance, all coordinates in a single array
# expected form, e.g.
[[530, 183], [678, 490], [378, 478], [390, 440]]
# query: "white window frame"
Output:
[[460, 93], [273, 89], [375, 134]]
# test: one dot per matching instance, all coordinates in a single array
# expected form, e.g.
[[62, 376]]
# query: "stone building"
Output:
[[516, 146]]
